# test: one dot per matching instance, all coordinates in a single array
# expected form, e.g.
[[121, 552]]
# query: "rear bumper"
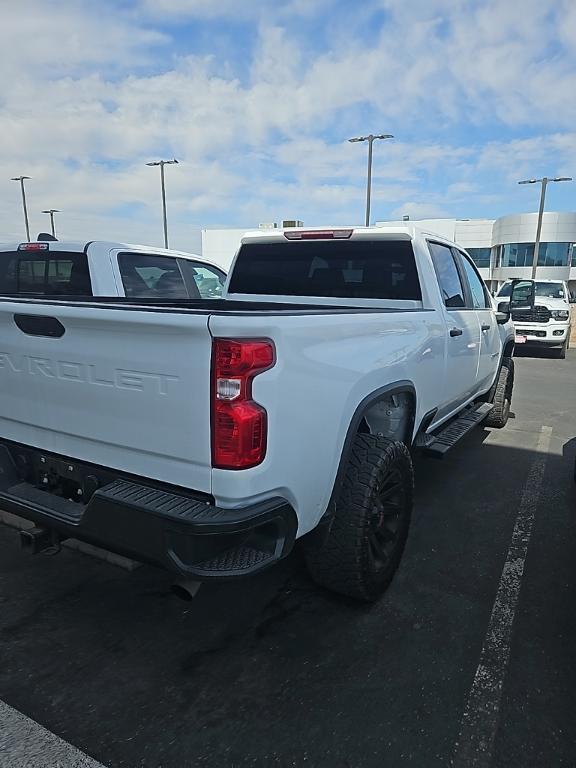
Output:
[[189, 536]]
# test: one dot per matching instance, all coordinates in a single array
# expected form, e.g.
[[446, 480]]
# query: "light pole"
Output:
[[51, 212], [370, 139], [162, 163], [21, 180], [544, 182]]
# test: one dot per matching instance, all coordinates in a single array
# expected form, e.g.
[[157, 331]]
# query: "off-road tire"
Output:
[[366, 539], [502, 399]]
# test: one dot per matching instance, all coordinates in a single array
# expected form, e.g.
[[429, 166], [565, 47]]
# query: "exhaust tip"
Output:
[[186, 590]]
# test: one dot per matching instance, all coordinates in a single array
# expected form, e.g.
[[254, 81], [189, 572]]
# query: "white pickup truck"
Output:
[[547, 322], [206, 436]]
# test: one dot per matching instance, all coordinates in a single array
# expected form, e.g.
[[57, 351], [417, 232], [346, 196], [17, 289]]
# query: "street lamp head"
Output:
[[372, 137], [163, 162], [19, 178], [546, 179], [52, 210]]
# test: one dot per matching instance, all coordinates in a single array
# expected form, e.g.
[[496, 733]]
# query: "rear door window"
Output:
[[448, 276], [146, 275], [359, 269], [45, 273]]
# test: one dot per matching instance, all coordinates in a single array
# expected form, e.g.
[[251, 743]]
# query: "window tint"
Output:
[[448, 276], [550, 290], [145, 275], [358, 269], [475, 283], [56, 273], [209, 281]]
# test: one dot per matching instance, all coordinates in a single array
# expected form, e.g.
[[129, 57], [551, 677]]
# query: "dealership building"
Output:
[[501, 248]]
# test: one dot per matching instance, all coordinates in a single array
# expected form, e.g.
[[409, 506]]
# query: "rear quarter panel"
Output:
[[326, 366]]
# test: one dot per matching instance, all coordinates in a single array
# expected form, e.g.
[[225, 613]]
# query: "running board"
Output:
[[438, 444]]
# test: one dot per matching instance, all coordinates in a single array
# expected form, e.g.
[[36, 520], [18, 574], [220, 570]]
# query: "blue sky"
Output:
[[257, 98]]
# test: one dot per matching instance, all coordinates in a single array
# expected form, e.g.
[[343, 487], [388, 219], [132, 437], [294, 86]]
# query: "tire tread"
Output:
[[340, 564], [498, 417]]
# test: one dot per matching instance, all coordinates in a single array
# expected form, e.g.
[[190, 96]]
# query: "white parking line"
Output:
[[480, 720], [26, 744]]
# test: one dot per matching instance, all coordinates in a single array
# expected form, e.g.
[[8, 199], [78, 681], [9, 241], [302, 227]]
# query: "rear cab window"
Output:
[[44, 273], [357, 269], [207, 280], [149, 275], [146, 275]]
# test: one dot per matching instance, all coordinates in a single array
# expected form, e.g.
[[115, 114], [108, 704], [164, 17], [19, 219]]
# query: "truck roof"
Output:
[[402, 231], [82, 245]]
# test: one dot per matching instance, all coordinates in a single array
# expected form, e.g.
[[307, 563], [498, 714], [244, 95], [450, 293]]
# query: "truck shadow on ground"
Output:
[[122, 668], [544, 353]]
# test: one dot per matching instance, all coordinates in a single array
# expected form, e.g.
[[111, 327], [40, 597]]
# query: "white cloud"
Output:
[[419, 210], [48, 40], [234, 9], [202, 8], [552, 154]]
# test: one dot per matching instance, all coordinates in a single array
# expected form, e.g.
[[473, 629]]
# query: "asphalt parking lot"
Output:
[[274, 671]]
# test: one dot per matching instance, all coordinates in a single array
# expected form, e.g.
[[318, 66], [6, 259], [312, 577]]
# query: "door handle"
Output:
[[456, 331], [40, 325], [485, 327]]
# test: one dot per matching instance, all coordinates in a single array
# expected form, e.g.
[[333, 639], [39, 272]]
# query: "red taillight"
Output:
[[33, 247], [239, 425]]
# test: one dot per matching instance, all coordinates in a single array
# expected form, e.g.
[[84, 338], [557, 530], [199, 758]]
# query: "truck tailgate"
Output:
[[123, 388]]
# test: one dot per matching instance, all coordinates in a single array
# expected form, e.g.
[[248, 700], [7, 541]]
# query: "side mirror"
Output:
[[502, 317], [523, 295]]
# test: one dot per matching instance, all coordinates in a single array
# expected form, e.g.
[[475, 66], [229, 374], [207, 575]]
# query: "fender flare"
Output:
[[508, 350], [396, 388]]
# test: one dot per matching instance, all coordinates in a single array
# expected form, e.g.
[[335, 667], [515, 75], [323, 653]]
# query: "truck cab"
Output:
[[101, 268]]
